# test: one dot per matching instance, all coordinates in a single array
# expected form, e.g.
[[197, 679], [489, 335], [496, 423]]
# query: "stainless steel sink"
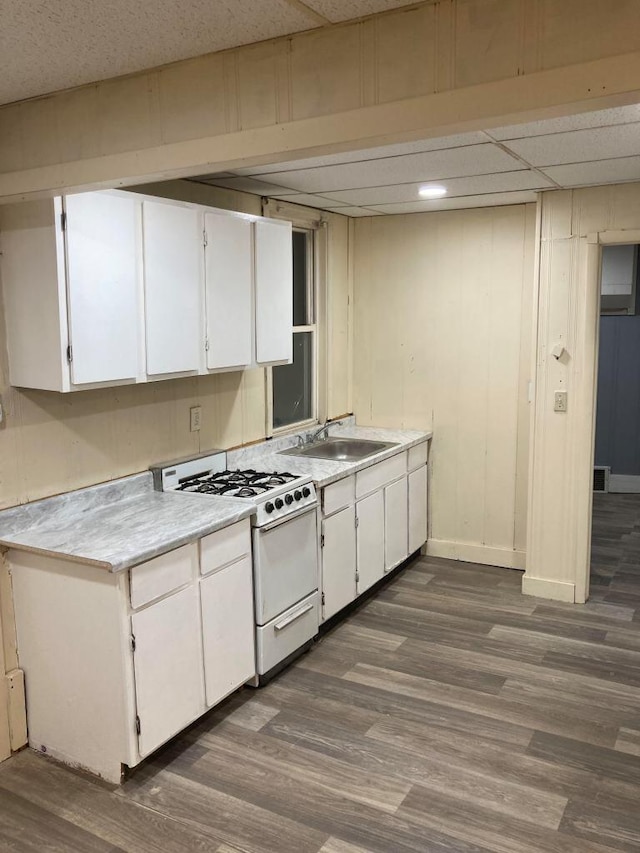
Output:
[[340, 449]]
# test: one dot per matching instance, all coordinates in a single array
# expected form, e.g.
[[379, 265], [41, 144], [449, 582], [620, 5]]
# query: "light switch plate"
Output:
[[196, 416], [560, 401]]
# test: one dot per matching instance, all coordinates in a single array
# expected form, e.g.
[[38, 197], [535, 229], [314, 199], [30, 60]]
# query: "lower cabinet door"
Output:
[[370, 540], [338, 561], [417, 508], [396, 543], [228, 629], [168, 667]]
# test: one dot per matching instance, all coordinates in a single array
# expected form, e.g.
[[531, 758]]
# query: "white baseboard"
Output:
[[474, 553], [624, 484], [543, 588]]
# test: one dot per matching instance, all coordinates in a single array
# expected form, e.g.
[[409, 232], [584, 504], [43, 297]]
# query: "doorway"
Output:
[[615, 537]]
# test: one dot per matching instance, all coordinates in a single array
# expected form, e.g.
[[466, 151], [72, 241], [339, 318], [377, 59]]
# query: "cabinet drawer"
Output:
[[162, 575], [338, 495], [379, 475], [418, 455], [224, 546]]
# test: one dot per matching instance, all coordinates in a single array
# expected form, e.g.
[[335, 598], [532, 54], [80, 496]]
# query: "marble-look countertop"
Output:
[[117, 525], [268, 456]]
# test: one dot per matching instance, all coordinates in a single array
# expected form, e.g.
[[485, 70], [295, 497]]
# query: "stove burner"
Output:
[[237, 484]]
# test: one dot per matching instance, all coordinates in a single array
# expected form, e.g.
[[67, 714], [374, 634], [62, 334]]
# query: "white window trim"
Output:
[[307, 219]]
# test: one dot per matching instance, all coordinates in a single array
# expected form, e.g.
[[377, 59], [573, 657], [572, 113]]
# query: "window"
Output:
[[294, 385], [618, 283]]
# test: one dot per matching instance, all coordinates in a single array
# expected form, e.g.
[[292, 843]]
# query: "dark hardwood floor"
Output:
[[449, 714]]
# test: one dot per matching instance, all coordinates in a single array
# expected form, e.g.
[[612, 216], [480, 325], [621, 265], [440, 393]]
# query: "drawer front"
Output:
[[418, 455], [338, 495], [224, 546], [283, 635], [162, 575], [380, 475]]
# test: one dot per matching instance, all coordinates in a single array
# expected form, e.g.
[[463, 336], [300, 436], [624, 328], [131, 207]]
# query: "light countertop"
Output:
[[117, 525], [120, 524]]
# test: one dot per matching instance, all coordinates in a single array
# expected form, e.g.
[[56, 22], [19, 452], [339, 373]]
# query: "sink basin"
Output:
[[341, 449]]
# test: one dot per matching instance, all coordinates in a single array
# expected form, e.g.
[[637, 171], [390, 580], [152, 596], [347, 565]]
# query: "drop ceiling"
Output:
[[496, 166], [48, 45]]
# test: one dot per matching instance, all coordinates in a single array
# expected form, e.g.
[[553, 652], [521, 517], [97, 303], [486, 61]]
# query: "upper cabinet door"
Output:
[[274, 292], [172, 251], [102, 286], [228, 277]]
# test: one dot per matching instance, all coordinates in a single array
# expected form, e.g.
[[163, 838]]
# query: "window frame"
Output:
[[316, 250]]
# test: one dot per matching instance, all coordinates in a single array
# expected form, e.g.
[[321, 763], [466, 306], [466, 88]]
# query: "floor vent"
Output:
[[601, 478]]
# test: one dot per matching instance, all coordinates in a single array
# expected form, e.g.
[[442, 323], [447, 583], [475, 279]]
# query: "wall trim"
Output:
[[470, 552], [544, 588], [624, 484]]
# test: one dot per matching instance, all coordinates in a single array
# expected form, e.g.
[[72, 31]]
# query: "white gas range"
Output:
[[285, 547]]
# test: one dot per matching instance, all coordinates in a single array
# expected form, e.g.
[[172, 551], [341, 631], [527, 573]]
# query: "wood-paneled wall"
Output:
[[439, 67], [573, 224], [442, 340], [51, 443]]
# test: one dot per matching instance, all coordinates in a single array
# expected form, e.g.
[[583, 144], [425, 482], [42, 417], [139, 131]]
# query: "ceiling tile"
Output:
[[46, 46], [590, 174], [501, 182], [245, 185], [491, 200], [597, 118], [313, 201], [429, 166], [437, 144], [579, 146], [338, 10]]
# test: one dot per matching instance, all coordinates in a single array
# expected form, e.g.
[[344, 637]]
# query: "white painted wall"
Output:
[[442, 340]]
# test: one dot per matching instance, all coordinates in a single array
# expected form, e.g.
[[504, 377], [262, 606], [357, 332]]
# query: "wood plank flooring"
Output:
[[448, 714]]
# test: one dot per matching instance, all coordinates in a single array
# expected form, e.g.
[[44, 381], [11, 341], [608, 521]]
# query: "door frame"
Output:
[[592, 249]]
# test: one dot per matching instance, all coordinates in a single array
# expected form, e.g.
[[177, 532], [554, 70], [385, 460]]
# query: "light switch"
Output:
[[560, 401]]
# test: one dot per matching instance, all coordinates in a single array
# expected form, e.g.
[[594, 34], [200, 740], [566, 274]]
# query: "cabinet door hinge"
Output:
[[138, 726], [63, 221], [206, 344], [322, 540], [133, 643], [69, 354], [205, 241], [323, 599], [357, 521], [357, 577]]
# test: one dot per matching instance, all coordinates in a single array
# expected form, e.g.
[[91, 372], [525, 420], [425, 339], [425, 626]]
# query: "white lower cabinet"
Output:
[[338, 561], [370, 540], [396, 520], [118, 663], [371, 522], [417, 508], [226, 599], [168, 667]]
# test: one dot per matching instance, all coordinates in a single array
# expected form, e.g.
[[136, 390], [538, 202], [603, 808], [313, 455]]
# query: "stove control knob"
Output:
[[268, 507], [297, 494], [306, 492], [288, 499], [279, 503]]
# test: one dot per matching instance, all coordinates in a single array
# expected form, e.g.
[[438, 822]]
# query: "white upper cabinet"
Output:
[[172, 263], [111, 287], [229, 284], [274, 292]]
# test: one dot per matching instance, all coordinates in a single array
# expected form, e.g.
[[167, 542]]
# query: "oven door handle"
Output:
[[293, 617], [286, 518]]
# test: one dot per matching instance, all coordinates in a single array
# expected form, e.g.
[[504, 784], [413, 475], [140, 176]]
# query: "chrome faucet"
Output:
[[315, 436]]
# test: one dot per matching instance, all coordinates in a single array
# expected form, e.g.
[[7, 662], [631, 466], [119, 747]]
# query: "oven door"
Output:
[[285, 562]]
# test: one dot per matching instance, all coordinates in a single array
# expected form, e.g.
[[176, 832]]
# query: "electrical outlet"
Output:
[[560, 401], [196, 418]]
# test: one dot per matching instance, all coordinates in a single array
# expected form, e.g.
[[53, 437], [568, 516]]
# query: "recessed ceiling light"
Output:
[[432, 191]]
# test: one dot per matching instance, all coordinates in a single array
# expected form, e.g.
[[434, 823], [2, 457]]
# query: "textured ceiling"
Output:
[[496, 166], [47, 45]]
